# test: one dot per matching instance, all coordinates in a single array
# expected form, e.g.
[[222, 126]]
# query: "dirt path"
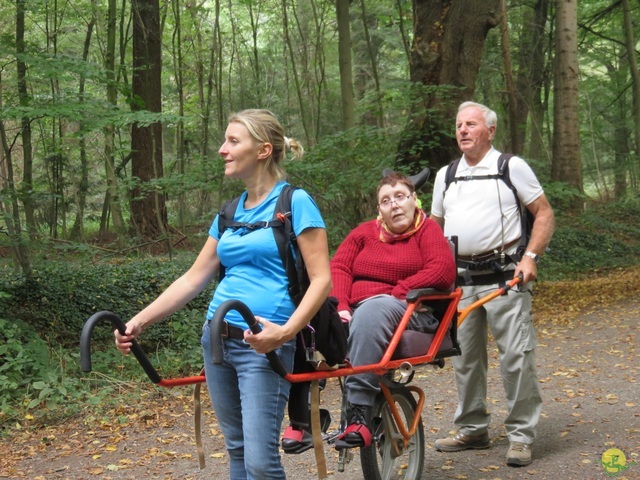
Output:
[[589, 372]]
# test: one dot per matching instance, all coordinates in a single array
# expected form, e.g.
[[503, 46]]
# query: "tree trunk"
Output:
[[10, 209], [112, 198], [566, 165], [635, 76], [176, 44], [376, 117], [307, 61], [403, 30], [302, 102], [344, 61], [148, 211], [530, 78], [513, 146], [619, 120], [447, 48], [27, 149], [217, 47], [77, 230]]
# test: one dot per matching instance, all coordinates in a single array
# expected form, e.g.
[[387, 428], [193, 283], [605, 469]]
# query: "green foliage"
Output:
[[606, 236], [39, 358], [342, 173], [562, 196], [23, 358], [60, 296]]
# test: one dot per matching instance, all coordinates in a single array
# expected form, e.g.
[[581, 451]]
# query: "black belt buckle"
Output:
[[224, 333], [229, 331]]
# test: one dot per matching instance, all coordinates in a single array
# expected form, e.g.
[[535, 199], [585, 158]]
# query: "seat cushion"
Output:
[[415, 344]]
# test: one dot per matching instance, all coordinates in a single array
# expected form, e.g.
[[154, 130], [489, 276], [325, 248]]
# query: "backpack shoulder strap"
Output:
[[526, 219], [225, 220], [282, 212], [226, 214], [284, 236], [450, 175], [503, 172], [287, 243]]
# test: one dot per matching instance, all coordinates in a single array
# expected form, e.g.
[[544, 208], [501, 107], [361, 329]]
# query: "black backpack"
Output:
[[526, 218], [325, 334]]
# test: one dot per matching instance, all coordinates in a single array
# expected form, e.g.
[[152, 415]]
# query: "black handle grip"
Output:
[[215, 332], [116, 321]]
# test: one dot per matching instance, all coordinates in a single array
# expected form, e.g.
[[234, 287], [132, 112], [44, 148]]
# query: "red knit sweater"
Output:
[[364, 266]]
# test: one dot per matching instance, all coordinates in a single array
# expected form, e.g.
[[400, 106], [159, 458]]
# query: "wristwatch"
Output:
[[532, 255]]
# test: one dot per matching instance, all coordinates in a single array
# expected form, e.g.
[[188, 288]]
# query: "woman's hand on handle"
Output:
[[123, 342], [270, 338]]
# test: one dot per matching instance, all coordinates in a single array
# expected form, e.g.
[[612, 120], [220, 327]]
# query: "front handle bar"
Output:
[[215, 333], [116, 321], [154, 376]]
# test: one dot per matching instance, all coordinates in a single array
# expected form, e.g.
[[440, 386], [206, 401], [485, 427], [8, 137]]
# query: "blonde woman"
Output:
[[248, 397]]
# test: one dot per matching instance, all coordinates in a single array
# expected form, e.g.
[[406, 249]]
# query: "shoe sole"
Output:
[[462, 448], [298, 449], [515, 462]]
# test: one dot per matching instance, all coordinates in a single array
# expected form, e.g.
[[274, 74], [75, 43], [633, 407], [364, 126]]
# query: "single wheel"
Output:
[[385, 458]]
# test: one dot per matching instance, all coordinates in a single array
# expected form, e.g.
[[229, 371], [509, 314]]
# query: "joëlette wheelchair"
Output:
[[397, 447]]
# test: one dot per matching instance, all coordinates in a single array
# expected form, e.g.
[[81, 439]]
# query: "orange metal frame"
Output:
[[386, 363]]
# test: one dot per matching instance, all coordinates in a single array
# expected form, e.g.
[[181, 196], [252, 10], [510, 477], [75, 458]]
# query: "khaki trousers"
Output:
[[510, 320]]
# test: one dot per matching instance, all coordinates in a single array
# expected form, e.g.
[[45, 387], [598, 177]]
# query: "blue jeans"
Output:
[[249, 399]]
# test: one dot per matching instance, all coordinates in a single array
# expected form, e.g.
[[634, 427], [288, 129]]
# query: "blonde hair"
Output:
[[264, 127]]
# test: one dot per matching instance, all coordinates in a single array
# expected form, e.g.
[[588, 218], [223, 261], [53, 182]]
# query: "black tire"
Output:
[[380, 460]]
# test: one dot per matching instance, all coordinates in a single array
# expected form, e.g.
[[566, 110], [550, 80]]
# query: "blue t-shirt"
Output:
[[254, 273]]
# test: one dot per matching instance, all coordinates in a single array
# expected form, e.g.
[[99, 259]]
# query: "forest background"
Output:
[[111, 114]]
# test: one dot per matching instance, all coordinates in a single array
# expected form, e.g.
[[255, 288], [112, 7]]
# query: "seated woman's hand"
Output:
[[345, 316]]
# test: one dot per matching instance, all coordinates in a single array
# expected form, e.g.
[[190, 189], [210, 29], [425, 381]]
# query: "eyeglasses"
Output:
[[399, 199]]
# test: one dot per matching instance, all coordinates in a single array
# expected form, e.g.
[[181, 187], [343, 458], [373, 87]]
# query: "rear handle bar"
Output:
[[462, 314]]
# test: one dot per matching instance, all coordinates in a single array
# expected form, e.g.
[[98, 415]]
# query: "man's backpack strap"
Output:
[[526, 219], [503, 174], [450, 176]]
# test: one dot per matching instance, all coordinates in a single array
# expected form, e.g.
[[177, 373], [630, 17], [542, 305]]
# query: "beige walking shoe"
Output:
[[463, 442], [519, 454]]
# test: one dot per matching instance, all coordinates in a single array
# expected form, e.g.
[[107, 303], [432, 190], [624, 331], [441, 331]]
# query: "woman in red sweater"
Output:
[[373, 269]]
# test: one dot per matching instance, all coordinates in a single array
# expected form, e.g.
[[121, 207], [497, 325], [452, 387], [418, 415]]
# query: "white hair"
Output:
[[490, 117]]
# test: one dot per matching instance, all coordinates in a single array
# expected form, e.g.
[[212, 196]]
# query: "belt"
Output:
[[230, 331], [481, 257], [487, 279]]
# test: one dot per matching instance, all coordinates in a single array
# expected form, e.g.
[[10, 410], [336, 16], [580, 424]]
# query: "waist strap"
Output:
[[482, 257], [488, 279]]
